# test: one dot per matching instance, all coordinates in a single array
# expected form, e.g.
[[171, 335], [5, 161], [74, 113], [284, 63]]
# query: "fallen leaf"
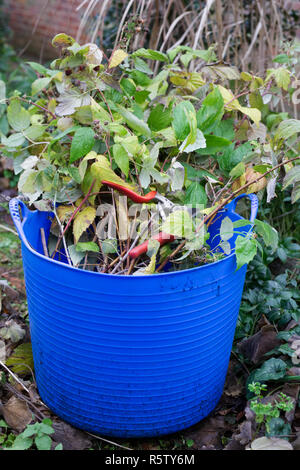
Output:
[[71, 438], [255, 347], [270, 443], [13, 331], [20, 358], [16, 414]]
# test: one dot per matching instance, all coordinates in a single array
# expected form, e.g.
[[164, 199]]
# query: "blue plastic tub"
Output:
[[129, 356]]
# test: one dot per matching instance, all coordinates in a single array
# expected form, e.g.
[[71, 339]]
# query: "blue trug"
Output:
[[130, 356]]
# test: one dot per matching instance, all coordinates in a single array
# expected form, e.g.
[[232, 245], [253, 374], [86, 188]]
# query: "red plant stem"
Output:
[[38, 106]]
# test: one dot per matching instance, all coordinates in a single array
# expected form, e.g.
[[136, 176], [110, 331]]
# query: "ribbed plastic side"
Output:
[[131, 356]]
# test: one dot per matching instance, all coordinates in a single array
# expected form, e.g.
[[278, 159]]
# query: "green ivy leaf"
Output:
[[273, 369], [82, 143]]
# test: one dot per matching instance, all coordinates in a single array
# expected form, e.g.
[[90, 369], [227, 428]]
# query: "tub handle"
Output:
[[254, 204], [14, 205]]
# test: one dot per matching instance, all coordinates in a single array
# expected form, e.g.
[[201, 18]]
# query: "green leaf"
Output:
[[179, 223], [281, 59], [268, 233], [273, 369], [245, 250], [232, 156], [211, 111], [87, 246], [277, 427], [39, 84], [150, 54], [226, 229], [2, 91], [34, 132], [110, 245], [21, 443], [195, 195], [282, 77], [39, 68], [238, 170], [18, 117], [287, 128], [141, 67], [134, 122], [225, 129], [83, 141], [214, 144], [76, 256], [43, 442], [13, 141], [159, 118], [292, 176], [180, 122], [121, 158], [82, 221], [199, 143]]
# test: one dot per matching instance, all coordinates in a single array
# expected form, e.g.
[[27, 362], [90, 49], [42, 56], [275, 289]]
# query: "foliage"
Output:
[[269, 413], [35, 435], [186, 134]]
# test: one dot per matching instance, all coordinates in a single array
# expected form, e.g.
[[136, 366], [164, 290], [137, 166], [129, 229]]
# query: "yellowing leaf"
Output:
[[82, 221], [64, 213], [188, 80], [253, 114], [117, 57], [21, 360], [105, 173], [233, 104]]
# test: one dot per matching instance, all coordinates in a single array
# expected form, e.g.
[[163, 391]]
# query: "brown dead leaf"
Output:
[[255, 347], [71, 438], [16, 413], [208, 432]]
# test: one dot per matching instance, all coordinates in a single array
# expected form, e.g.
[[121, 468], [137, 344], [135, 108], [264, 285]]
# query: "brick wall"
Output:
[[35, 22]]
